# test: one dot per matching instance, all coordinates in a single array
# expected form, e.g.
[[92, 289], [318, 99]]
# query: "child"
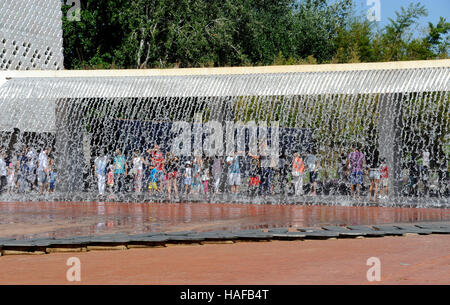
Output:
[[154, 175], [188, 178], [110, 178], [53, 176]]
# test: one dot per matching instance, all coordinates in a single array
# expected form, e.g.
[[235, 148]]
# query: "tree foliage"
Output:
[[204, 33]]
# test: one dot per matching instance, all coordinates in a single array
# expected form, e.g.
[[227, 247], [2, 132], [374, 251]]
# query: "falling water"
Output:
[[391, 114]]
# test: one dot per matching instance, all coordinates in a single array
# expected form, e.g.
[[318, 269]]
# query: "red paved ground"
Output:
[[404, 260]]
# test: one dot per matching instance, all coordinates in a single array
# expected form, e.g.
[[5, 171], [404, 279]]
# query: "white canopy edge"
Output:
[[398, 65]]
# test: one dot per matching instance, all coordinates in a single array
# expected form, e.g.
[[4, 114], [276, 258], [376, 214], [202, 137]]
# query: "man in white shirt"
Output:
[[42, 170]]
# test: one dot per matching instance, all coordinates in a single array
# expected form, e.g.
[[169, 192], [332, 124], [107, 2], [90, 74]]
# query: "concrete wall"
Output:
[[31, 35]]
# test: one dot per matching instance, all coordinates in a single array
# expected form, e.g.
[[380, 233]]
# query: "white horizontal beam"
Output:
[[398, 65]]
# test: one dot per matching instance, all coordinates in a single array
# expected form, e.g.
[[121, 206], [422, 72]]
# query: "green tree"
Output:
[[438, 38], [204, 33], [397, 36]]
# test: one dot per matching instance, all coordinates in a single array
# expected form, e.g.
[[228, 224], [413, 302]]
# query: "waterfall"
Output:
[[400, 115]]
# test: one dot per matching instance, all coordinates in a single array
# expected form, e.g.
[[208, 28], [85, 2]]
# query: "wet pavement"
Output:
[[26, 220]]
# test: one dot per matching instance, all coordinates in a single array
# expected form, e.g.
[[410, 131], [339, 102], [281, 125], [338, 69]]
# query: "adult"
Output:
[[31, 176], [298, 167], [255, 174], [100, 169], [171, 174], [120, 171], [42, 170], [266, 170], [138, 168], [22, 170], [157, 161], [234, 173], [356, 161], [312, 164]]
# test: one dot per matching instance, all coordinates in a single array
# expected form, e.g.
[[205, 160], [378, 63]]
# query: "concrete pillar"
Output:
[[69, 157], [389, 139]]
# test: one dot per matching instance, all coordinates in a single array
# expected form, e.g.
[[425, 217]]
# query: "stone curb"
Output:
[[121, 241]]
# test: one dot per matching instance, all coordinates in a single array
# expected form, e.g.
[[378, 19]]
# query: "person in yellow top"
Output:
[[298, 167]]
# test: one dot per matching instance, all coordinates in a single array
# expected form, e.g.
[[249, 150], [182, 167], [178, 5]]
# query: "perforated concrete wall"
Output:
[[31, 35]]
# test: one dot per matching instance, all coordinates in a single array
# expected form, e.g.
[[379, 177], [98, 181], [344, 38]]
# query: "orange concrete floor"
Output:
[[404, 260]]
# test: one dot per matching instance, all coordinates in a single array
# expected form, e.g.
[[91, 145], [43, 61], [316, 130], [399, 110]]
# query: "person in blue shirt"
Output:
[[53, 175], [234, 173], [120, 170]]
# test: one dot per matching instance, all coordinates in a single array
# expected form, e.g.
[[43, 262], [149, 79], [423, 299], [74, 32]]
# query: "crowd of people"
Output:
[[27, 171], [154, 172]]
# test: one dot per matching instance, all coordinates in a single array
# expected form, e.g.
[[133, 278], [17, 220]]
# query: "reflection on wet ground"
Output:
[[59, 219]]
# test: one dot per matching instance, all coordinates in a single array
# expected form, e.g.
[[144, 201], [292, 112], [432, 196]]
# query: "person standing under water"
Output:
[[188, 178], [311, 162], [157, 160], [205, 178], [138, 169], [265, 161], [100, 167], [43, 170], [298, 167], [171, 169], [356, 160], [120, 171], [255, 173], [234, 173]]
